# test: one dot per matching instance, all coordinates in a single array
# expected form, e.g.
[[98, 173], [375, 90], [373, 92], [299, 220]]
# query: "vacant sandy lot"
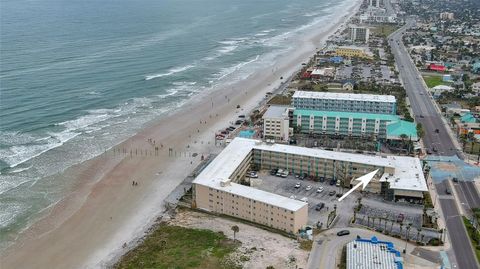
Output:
[[259, 248]]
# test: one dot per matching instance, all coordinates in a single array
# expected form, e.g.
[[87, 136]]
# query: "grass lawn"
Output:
[[471, 231], [384, 30], [179, 247], [433, 81]]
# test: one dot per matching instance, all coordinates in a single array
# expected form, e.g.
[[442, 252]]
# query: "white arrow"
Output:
[[364, 180]]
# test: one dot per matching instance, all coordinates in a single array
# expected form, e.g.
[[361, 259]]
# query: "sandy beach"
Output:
[[89, 227]]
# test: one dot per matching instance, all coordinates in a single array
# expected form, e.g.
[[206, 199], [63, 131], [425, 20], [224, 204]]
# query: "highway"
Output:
[[436, 140]]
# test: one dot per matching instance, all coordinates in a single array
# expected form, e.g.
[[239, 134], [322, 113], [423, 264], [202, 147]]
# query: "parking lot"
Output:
[[286, 187], [386, 213]]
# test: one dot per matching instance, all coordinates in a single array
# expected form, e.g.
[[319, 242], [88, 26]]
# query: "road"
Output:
[[467, 194], [436, 140], [455, 228]]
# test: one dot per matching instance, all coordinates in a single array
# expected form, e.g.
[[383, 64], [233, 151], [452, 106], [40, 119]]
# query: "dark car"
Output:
[[273, 172], [321, 179], [343, 232], [319, 206], [437, 131], [332, 182], [455, 179], [448, 191], [332, 193]]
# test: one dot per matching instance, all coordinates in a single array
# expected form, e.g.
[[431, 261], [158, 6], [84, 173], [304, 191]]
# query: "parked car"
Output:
[[400, 218], [332, 193], [332, 182], [319, 206], [304, 199], [338, 183], [455, 179], [284, 174], [297, 185], [321, 179], [293, 197], [319, 190], [279, 173], [253, 174], [273, 172], [343, 232], [308, 188], [241, 116]]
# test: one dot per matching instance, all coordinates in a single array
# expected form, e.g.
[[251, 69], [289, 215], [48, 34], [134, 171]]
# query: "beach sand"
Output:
[[89, 227]]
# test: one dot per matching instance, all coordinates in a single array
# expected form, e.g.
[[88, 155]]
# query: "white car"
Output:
[[308, 188], [297, 185], [253, 174], [293, 197], [304, 199], [320, 189]]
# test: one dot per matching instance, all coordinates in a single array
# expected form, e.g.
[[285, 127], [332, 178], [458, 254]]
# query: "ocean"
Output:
[[77, 77]]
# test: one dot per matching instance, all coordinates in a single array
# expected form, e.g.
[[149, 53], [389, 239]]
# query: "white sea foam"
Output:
[[170, 72], [230, 70]]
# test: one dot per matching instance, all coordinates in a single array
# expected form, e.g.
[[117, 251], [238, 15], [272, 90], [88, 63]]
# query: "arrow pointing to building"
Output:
[[364, 180]]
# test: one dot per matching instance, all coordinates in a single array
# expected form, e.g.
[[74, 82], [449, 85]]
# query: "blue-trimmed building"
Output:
[[369, 125], [373, 254]]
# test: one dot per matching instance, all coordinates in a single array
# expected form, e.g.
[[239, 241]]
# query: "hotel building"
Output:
[[276, 123], [347, 102], [358, 34], [217, 189], [381, 126]]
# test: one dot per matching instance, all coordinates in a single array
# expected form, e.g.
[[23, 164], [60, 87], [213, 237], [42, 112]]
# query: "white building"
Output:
[[358, 33], [347, 102], [373, 254], [446, 16], [476, 88], [276, 123]]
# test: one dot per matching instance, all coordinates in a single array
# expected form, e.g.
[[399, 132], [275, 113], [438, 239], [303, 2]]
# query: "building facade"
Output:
[[347, 102], [358, 34], [276, 123], [351, 52], [350, 124]]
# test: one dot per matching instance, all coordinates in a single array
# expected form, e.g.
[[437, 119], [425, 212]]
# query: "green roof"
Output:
[[341, 114], [396, 129]]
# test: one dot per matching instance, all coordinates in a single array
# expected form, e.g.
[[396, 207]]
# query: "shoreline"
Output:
[[104, 210]]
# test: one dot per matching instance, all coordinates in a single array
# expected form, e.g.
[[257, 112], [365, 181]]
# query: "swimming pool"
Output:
[[246, 133]]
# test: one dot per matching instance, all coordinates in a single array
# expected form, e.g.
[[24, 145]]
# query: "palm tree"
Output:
[[235, 230], [401, 227], [407, 232], [368, 223]]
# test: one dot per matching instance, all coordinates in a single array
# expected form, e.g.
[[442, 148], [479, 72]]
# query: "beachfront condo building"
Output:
[[347, 102], [358, 33], [352, 52], [217, 188], [276, 123], [367, 125]]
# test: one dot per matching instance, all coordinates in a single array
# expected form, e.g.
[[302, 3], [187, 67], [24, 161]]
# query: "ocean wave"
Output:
[[170, 72], [230, 70]]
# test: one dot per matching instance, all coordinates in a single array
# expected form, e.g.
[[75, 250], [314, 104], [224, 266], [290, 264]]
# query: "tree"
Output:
[[235, 230]]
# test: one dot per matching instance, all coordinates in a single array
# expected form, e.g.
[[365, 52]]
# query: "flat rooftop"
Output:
[[368, 254], [275, 111], [345, 96], [408, 173]]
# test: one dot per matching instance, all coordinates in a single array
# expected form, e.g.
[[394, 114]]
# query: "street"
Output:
[[436, 140]]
